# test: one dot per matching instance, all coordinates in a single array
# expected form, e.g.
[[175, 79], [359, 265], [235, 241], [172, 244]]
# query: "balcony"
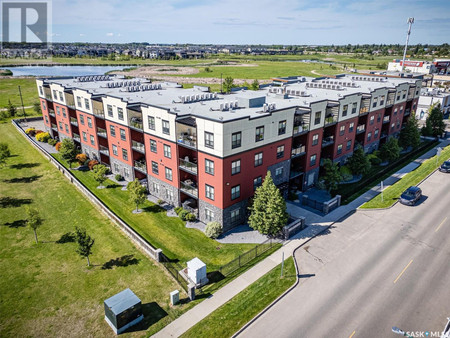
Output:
[[383, 135], [51, 112], [386, 119], [102, 132], [71, 104], [300, 129], [189, 187], [298, 151], [389, 102], [188, 166], [329, 120], [188, 140], [327, 141], [136, 123], [49, 97], [363, 110], [138, 146], [76, 137], [54, 127], [103, 150], [360, 129], [99, 113], [73, 121], [407, 112], [295, 173], [141, 166]]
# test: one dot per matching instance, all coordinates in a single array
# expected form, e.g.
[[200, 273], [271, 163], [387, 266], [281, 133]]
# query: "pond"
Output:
[[62, 70]]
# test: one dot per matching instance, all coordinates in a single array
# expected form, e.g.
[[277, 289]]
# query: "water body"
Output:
[[62, 70]]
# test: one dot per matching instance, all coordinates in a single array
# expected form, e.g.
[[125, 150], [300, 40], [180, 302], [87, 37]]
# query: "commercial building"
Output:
[[209, 152], [429, 97], [437, 66]]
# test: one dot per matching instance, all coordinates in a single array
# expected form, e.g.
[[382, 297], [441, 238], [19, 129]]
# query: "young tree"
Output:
[[11, 109], [410, 135], [100, 172], [4, 153], [68, 151], [435, 120], [137, 193], [85, 243], [359, 163], [332, 175], [268, 212], [37, 107], [255, 85], [228, 84], [34, 221], [390, 151]]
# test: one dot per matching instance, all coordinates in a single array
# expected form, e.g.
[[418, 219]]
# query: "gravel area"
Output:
[[242, 234]]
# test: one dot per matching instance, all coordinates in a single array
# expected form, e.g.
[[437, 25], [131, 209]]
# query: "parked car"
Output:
[[411, 195], [446, 332], [445, 167]]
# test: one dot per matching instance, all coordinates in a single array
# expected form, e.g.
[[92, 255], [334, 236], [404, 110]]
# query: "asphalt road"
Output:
[[372, 271]]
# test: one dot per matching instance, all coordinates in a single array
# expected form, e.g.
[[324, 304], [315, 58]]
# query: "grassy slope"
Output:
[[231, 316], [9, 91], [46, 288]]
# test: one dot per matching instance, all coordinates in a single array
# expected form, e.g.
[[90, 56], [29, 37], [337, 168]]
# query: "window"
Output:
[[209, 166], [167, 151], [258, 159], [46, 118], [40, 90], [122, 134], [116, 168], [120, 113], [155, 187], [257, 182], [339, 149], [374, 102], [113, 131], [86, 103], [84, 136], [126, 172], [401, 109], [78, 101], [378, 117], [151, 122], [344, 110], [350, 127], [395, 111], [279, 172], [45, 107], [315, 139], [312, 160], [89, 122], [282, 127], [153, 148], [280, 151], [55, 97], [375, 135], [235, 215], [404, 94], [209, 140], [155, 168], [209, 192], [125, 154], [61, 98], [393, 125], [92, 139], [110, 111], [165, 127], [354, 105], [209, 215], [372, 119], [259, 135], [114, 147], [398, 96], [169, 174], [317, 116], [67, 128], [60, 126], [64, 112], [235, 192], [235, 167], [369, 136], [382, 98], [236, 140], [342, 130], [82, 119], [398, 124], [349, 145], [169, 195], [57, 110]]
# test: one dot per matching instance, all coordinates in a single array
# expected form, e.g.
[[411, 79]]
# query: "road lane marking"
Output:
[[352, 334], [401, 273], [437, 229]]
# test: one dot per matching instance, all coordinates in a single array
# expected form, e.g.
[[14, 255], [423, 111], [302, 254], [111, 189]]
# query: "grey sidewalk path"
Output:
[[316, 224]]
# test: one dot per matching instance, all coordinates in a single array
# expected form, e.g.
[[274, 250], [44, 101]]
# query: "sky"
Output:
[[286, 22]]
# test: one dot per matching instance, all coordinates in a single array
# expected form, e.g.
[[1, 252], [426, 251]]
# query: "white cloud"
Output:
[[109, 34], [81, 34]]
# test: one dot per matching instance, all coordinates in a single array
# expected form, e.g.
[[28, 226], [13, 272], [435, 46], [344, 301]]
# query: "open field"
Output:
[[46, 289], [9, 91]]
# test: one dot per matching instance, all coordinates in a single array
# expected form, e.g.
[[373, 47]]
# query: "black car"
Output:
[[411, 195], [445, 167]]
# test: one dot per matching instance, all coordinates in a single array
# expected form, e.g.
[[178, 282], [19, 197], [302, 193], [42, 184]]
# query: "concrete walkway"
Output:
[[316, 224]]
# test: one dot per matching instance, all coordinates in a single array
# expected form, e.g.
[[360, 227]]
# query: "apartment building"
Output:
[[209, 152]]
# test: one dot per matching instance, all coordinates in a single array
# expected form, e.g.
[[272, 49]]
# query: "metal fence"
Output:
[[248, 256], [174, 269]]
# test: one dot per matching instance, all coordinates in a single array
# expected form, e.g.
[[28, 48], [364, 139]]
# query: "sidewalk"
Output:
[[316, 224]]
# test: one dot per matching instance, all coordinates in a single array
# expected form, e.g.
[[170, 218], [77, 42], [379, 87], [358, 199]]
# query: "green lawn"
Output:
[[46, 289], [9, 91], [234, 314], [392, 193]]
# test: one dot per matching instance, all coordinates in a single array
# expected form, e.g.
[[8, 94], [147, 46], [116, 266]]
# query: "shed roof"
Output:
[[122, 301]]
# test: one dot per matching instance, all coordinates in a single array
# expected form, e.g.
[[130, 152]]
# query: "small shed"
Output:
[[197, 272], [123, 310]]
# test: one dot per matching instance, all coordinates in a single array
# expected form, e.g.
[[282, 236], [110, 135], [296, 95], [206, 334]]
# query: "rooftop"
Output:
[[122, 301]]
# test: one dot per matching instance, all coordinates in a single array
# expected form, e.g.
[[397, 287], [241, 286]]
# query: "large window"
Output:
[[235, 216], [125, 154], [236, 140], [354, 105], [258, 159], [235, 167], [122, 134], [155, 169], [64, 112], [89, 122], [153, 147], [114, 148], [257, 182], [209, 140], [151, 122], [209, 192], [375, 135], [259, 135], [169, 174], [78, 101], [317, 117], [113, 131], [372, 119], [82, 119], [86, 104], [351, 127], [382, 98], [67, 127], [342, 130], [209, 215], [167, 151], [165, 127], [280, 151], [209, 166], [279, 172], [235, 192], [110, 110], [374, 102], [57, 110], [84, 136], [120, 113], [345, 110], [349, 145], [339, 149], [92, 139], [282, 127], [369, 137], [312, 160], [315, 139]]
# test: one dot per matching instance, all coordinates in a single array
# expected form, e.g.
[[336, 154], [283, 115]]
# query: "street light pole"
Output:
[[23, 108], [410, 22]]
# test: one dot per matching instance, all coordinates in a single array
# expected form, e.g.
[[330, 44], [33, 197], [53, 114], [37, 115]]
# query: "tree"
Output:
[[410, 135], [34, 221], [100, 172], [213, 229], [68, 151], [228, 84], [85, 243], [137, 193], [11, 109], [268, 212], [332, 175], [435, 121], [359, 163], [37, 107], [390, 151], [255, 85], [4, 153]]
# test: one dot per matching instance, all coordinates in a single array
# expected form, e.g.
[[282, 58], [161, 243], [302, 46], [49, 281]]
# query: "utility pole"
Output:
[[221, 86], [23, 108], [409, 22]]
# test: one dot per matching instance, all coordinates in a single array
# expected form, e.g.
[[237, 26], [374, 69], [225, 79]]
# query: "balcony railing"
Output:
[[386, 119], [327, 141], [330, 120], [300, 129], [188, 166], [102, 132], [389, 102], [76, 137], [71, 104], [141, 166], [137, 124], [189, 140], [138, 146], [407, 112], [363, 110], [360, 129], [49, 97], [99, 113], [383, 135], [51, 112], [298, 151], [104, 150], [295, 173], [189, 187], [73, 121], [54, 127]]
